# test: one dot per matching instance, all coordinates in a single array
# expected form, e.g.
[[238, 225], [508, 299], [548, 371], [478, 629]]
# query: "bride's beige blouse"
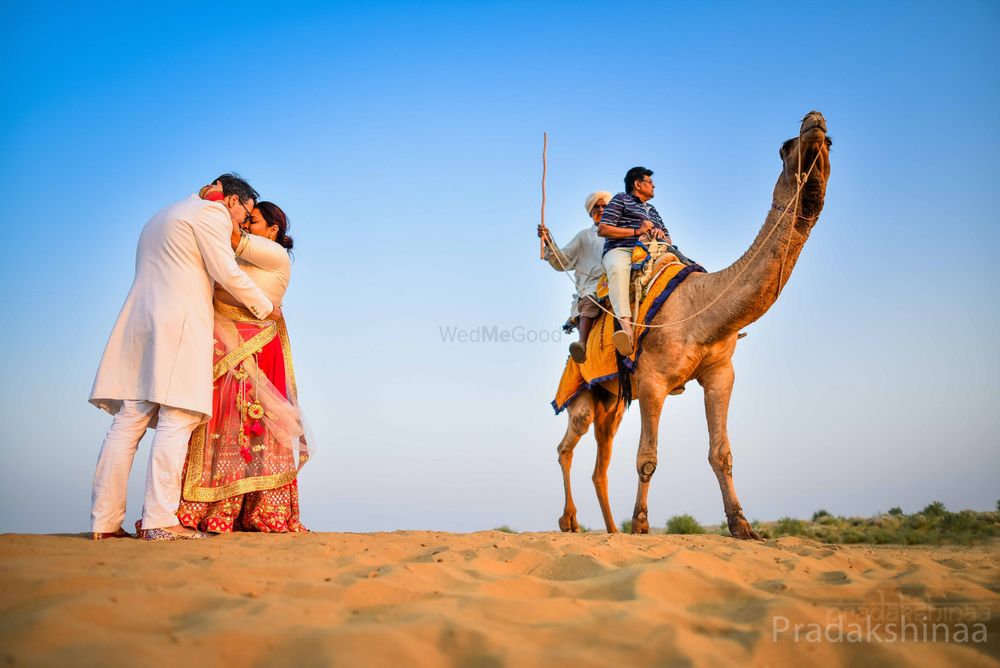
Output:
[[267, 264]]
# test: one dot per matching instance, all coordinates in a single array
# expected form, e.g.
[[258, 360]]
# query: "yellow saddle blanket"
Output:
[[601, 364]]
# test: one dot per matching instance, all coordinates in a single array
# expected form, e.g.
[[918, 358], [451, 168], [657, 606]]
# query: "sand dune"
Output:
[[413, 598]]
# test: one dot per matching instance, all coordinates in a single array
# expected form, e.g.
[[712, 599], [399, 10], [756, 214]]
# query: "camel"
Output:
[[702, 320]]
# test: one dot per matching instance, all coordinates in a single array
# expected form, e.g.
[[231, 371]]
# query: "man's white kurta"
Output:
[[160, 349]]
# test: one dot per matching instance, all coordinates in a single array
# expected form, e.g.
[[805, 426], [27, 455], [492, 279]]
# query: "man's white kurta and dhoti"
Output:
[[157, 366], [582, 255]]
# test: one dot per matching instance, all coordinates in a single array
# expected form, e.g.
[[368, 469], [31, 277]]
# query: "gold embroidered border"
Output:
[[286, 350], [244, 350], [193, 490], [242, 315], [237, 313]]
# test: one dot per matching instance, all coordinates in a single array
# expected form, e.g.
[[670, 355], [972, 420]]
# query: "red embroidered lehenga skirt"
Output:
[[242, 466]]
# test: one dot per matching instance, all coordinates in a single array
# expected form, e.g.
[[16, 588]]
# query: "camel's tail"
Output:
[[624, 381]]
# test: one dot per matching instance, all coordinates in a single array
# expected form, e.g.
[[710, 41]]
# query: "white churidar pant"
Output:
[[163, 476], [618, 265]]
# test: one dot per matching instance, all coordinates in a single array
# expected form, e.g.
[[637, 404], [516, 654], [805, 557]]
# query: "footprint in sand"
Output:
[[835, 577], [772, 586]]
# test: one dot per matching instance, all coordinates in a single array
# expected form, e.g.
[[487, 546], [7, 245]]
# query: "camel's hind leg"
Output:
[[607, 418], [581, 414], [718, 384]]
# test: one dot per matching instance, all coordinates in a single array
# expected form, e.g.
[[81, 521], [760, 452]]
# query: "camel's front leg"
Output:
[[652, 392], [581, 414], [606, 423], [718, 384]]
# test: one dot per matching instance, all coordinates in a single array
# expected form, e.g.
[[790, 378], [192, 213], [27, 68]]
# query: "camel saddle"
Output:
[[664, 275]]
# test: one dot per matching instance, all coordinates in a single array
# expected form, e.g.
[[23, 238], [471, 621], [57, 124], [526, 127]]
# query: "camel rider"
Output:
[[627, 219], [583, 255]]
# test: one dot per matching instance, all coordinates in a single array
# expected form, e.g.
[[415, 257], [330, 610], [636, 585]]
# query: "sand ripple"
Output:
[[413, 598]]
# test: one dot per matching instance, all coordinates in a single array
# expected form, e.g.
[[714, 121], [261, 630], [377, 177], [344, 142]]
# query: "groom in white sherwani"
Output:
[[157, 366]]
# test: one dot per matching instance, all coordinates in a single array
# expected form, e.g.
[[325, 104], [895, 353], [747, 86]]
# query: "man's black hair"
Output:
[[633, 175], [233, 184]]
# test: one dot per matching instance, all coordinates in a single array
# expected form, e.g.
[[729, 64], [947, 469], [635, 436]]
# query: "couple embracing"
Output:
[[200, 353]]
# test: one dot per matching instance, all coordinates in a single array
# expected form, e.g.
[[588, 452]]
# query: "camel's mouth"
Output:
[[813, 121]]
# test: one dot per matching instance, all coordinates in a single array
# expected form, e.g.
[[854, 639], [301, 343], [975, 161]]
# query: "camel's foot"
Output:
[[568, 523], [640, 521], [740, 528]]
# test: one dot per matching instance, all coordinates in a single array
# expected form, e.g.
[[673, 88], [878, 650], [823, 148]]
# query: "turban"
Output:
[[593, 197]]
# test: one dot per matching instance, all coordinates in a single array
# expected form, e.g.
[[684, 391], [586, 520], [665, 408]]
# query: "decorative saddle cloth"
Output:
[[601, 365], [648, 258]]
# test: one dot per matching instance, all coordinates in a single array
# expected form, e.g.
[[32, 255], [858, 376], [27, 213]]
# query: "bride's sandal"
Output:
[[165, 534]]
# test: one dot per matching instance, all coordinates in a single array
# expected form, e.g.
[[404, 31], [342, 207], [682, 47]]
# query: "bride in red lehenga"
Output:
[[242, 466]]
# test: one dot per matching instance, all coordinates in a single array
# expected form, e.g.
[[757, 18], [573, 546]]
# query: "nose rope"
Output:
[[800, 179]]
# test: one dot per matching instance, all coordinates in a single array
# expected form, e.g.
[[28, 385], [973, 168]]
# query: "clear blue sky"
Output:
[[404, 140]]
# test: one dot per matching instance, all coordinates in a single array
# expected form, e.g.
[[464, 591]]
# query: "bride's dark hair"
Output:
[[273, 215]]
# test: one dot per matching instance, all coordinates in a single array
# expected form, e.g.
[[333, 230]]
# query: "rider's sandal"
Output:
[[623, 342]]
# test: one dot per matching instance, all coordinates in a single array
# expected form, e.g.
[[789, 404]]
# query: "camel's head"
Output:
[[798, 155]]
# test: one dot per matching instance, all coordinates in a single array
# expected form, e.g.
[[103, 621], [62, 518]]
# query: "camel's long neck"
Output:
[[749, 286]]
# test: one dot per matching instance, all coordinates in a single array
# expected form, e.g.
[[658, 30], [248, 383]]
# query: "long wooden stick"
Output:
[[541, 242]]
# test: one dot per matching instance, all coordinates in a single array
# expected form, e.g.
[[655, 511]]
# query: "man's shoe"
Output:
[[623, 342], [578, 352], [105, 535]]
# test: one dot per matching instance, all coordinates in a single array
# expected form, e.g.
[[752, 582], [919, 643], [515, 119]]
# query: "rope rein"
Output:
[[801, 180]]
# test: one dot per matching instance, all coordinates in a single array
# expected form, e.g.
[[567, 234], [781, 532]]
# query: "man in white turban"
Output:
[[582, 255]]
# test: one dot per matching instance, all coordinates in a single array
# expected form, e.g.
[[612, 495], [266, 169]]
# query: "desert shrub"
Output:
[[965, 520], [820, 513], [852, 536], [683, 524], [917, 521], [895, 511], [882, 521], [933, 526], [826, 534], [882, 537], [763, 530], [935, 509], [626, 526], [504, 528], [788, 526], [584, 529]]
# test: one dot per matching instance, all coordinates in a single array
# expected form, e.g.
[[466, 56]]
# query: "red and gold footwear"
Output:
[[166, 534]]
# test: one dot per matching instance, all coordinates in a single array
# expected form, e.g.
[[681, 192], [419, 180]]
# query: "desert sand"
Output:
[[416, 598]]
